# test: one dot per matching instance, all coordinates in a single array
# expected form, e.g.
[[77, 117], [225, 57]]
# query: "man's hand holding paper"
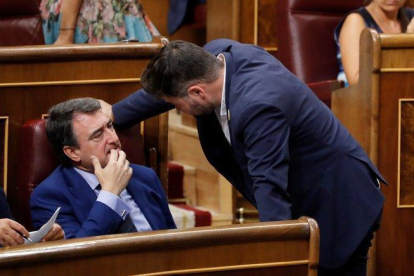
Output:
[[50, 231]]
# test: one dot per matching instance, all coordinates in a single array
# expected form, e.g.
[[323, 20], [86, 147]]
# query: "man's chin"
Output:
[[202, 114]]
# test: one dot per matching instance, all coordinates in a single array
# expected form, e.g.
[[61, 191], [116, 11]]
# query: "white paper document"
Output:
[[37, 236]]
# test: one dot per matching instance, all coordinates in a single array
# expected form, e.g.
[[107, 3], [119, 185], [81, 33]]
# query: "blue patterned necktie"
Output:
[[127, 226]]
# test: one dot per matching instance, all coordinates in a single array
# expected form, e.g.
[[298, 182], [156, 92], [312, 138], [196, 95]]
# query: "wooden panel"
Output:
[[405, 192], [187, 150], [12, 105], [223, 19], [188, 120], [248, 24], [259, 23], [279, 247], [395, 83], [295, 269], [4, 140], [64, 72], [396, 59], [267, 35], [158, 12], [395, 239]]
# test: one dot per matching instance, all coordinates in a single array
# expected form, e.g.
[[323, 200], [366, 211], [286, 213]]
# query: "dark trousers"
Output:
[[357, 263]]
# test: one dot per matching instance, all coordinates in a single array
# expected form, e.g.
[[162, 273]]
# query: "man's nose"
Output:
[[112, 137]]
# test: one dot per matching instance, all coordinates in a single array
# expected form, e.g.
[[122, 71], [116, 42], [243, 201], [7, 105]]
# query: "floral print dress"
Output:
[[100, 21]]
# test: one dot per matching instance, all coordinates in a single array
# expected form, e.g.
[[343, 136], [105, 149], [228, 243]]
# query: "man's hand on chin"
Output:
[[115, 176]]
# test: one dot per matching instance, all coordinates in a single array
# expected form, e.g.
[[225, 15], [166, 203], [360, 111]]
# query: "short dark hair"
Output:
[[59, 128], [178, 65]]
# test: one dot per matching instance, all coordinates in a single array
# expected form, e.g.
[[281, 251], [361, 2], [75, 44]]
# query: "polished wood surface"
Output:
[[247, 21], [405, 192], [272, 248], [371, 110], [77, 52], [158, 13], [34, 78]]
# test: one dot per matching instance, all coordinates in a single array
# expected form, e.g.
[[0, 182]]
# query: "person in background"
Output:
[[95, 21], [10, 230], [385, 16]]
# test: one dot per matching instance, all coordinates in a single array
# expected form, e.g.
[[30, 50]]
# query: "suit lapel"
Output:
[[137, 192], [81, 190]]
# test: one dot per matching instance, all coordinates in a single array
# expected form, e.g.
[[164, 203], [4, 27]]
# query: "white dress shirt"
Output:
[[222, 113]]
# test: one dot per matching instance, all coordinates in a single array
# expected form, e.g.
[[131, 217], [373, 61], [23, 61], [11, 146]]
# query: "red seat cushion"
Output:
[[175, 181], [202, 218]]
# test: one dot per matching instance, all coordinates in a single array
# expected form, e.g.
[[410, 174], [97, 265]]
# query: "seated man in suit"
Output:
[[98, 190], [11, 231]]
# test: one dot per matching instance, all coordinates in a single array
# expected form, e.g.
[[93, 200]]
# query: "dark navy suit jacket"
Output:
[[82, 216], [289, 155], [4, 206]]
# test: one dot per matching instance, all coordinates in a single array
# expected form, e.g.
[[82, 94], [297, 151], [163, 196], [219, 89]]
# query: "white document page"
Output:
[[37, 236]]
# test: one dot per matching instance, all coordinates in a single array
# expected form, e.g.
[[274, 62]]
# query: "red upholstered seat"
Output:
[[306, 44], [20, 23], [175, 181], [202, 218], [176, 192]]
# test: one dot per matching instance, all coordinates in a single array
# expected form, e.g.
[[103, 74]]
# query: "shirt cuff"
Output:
[[115, 203]]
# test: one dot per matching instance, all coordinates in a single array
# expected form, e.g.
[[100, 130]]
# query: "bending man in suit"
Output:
[[98, 190], [9, 229], [272, 138]]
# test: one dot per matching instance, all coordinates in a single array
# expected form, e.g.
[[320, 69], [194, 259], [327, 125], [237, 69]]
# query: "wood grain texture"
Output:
[[405, 193], [4, 140], [272, 247], [267, 35]]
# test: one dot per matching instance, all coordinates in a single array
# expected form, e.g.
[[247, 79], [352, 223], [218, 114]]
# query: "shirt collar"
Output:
[[90, 178]]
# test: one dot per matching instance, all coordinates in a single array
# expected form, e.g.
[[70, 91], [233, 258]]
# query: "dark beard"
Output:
[[200, 110]]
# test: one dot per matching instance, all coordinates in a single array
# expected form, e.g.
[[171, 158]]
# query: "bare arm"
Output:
[[69, 14], [349, 41]]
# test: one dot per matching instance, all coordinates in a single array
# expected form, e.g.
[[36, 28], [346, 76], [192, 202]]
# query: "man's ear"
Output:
[[196, 91], [72, 153]]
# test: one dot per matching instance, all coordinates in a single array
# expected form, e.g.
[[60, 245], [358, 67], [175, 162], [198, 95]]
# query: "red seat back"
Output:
[[306, 44], [20, 23]]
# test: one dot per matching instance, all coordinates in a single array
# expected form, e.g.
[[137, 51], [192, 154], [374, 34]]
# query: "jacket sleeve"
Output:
[[4, 206], [265, 133], [101, 220], [137, 107]]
